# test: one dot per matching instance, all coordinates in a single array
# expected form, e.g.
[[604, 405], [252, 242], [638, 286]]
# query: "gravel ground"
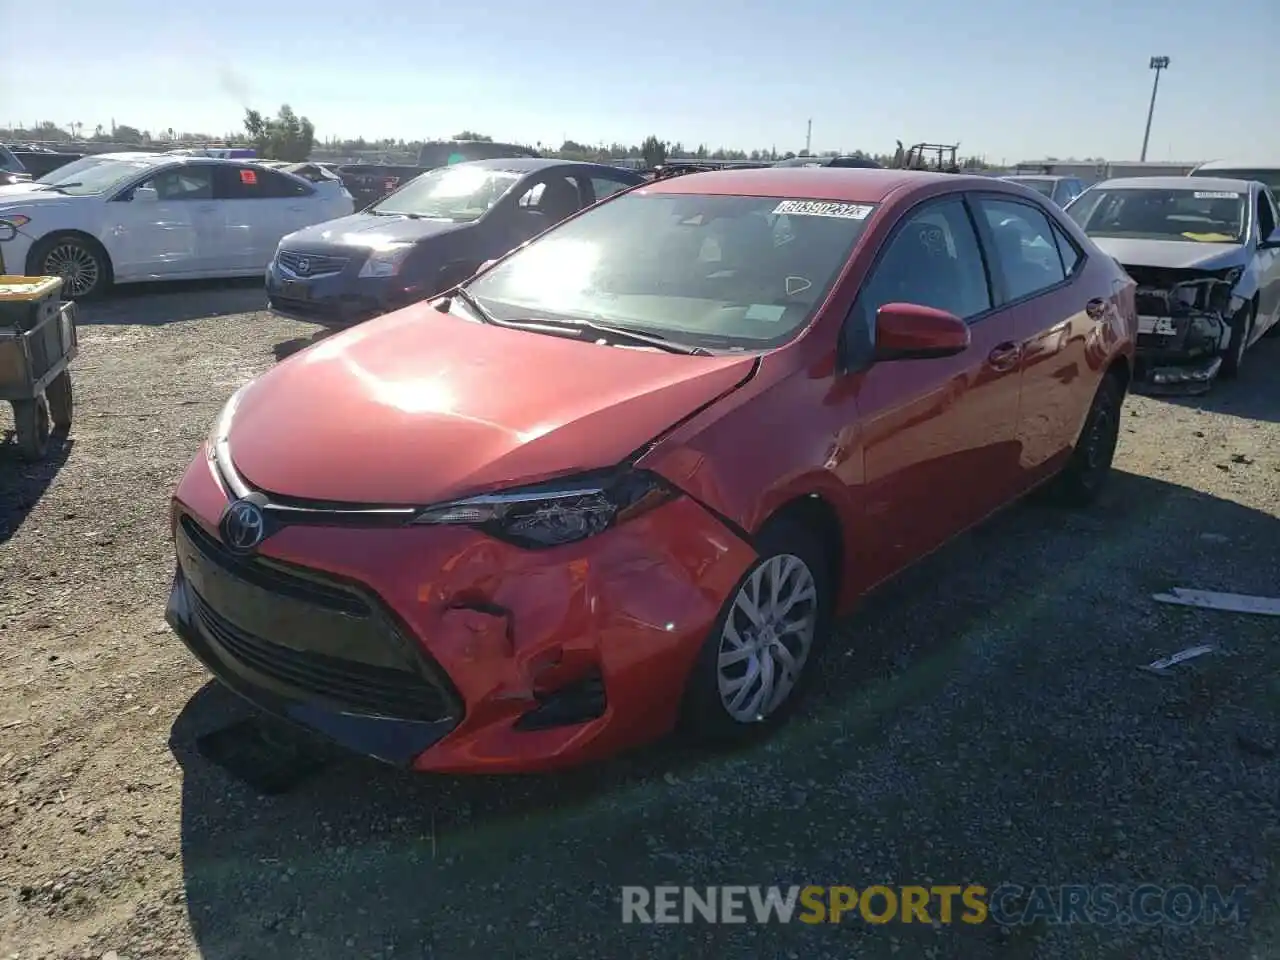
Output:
[[983, 721]]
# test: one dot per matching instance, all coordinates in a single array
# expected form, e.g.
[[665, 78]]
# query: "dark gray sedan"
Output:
[[1205, 253], [430, 234]]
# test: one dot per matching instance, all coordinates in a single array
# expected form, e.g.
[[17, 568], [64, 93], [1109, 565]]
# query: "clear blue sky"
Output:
[[1011, 79]]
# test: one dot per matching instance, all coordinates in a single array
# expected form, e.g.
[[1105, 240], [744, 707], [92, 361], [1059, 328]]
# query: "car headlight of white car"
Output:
[[385, 261]]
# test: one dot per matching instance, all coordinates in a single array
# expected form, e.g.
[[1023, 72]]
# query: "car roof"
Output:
[[1176, 183], [1036, 176], [137, 155], [519, 164], [1212, 165], [849, 184]]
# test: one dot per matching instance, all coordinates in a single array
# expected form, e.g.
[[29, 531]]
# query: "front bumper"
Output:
[[13, 253], [496, 632], [336, 300], [1183, 352]]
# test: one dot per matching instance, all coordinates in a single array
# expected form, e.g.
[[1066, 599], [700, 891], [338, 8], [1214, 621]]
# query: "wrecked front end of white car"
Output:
[[1184, 325]]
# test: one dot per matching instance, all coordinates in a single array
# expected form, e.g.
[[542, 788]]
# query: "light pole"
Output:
[[1157, 64]]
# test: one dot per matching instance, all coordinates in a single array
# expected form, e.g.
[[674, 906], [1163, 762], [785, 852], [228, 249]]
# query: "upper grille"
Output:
[[275, 579], [310, 264]]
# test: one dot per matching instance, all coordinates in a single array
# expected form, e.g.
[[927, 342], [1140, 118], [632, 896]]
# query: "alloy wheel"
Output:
[[767, 637], [77, 267]]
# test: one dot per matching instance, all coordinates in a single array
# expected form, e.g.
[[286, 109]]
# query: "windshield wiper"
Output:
[[474, 305], [607, 330], [61, 187]]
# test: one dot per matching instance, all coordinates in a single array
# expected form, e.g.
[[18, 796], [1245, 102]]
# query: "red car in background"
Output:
[[626, 476]]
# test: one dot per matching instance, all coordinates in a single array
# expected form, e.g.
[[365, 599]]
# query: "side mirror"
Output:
[[486, 265], [1272, 242], [8, 230], [911, 331], [145, 194]]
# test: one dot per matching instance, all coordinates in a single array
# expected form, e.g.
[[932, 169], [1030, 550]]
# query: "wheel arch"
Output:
[[817, 513], [1121, 368]]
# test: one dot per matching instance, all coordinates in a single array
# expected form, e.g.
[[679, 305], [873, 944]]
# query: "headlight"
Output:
[[552, 514], [1233, 275], [17, 219], [385, 261]]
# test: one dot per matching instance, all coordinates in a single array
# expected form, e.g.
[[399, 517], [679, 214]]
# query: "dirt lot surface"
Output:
[[983, 721]]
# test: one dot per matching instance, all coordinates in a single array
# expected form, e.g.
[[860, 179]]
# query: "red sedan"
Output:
[[626, 476]]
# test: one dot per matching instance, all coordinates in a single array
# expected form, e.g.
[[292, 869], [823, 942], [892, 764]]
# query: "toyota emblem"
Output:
[[304, 267], [243, 526]]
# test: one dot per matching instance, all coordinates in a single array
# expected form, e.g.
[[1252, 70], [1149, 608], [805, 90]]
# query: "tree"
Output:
[[654, 151], [286, 137], [472, 135], [127, 134]]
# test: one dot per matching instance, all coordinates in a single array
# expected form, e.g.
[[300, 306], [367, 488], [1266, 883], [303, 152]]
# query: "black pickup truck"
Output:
[[39, 162]]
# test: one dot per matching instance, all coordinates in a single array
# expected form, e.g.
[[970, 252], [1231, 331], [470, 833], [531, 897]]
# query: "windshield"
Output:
[[450, 193], [1269, 176], [89, 175], [715, 271], [1040, 185], [1203, 216]]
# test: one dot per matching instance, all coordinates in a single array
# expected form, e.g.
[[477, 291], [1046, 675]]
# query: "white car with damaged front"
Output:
[[130, 217]]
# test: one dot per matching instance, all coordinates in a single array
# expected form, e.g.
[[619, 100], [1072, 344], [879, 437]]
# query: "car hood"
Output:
[[418, 407], [1173, 254], [368, 230], [21, 194]]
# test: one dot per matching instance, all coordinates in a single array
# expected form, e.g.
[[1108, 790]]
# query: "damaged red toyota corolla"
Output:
[[626, 476]]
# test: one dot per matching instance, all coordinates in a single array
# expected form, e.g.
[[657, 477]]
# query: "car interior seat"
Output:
[[559, 199]]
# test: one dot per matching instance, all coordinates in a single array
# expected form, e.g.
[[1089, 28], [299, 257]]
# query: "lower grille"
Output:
[[359, 687], [308, 636]]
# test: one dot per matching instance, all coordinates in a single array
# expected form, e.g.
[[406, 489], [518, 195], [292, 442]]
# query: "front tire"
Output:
[[759, 655], [1241, 328], [1086, 473], [80, 262], [31, 426]]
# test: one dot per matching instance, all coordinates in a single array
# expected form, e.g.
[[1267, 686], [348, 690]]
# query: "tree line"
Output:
[[289, 136]]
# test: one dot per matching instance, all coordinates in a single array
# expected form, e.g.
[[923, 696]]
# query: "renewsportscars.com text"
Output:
[[1006, 905]]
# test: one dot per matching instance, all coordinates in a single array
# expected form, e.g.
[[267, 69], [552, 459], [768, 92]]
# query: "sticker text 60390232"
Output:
[[1216, 195], [823, 208]]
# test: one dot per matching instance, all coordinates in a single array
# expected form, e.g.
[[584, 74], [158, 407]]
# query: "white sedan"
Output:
[[127, 217]]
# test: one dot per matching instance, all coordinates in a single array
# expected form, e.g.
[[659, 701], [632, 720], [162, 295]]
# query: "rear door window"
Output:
[[1023, 246], [235, 182]]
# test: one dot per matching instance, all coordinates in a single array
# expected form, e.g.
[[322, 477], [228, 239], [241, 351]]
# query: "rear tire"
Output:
[[61, 398], [1241, 328], [750, 674], [1086, 473]]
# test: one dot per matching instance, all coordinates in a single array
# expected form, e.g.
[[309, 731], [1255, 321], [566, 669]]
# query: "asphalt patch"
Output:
[[269, 757]]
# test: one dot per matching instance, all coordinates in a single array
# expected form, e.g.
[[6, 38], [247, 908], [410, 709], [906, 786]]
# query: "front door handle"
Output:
[[206, 208], [296, 208], [1005, 356], [1095, 308]]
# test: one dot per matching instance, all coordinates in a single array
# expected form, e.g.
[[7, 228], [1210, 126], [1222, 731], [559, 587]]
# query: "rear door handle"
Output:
[[1005, 356], [1096, 308], [296, 208], [206, 208]]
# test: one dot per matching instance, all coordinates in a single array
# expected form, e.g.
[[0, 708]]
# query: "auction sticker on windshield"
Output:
[[822, 208], [1216, 195]]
